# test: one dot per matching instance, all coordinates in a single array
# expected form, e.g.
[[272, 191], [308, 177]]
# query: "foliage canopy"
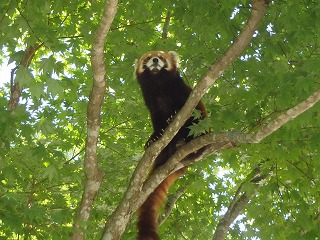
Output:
[[42, 140]]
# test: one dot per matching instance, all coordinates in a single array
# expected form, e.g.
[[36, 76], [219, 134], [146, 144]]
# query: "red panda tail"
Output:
[[149, 211]]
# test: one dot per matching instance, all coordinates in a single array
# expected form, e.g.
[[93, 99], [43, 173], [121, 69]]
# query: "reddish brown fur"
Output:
[[149, 211], [164, 93]]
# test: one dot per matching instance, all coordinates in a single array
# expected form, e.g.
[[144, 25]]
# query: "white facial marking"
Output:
[[155, 63]]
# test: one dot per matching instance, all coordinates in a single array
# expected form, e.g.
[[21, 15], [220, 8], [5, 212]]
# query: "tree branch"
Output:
[[259, 8], [15, 91], [172, 199], [238, 203], [166, 25], [210, 142], [205, 145], [93, 174], [285, 117]]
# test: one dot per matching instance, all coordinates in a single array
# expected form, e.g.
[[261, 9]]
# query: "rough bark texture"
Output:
[[93, 173]]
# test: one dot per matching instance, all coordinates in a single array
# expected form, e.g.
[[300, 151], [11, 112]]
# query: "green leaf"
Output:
[[16, 57], [54, 87], [50, 172], [23, 76], [37, 90]]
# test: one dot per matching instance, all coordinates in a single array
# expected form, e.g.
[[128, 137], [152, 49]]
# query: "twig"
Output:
[[166, 25]]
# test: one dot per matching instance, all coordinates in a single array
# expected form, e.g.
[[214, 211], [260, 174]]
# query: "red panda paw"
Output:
[[153, 139], [170, 119]]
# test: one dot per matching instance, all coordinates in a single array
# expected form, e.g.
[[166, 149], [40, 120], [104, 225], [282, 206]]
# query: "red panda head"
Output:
[[155, 61]]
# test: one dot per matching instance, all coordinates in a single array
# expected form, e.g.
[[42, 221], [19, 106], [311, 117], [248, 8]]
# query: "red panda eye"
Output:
[[161, 58], [148, 58]]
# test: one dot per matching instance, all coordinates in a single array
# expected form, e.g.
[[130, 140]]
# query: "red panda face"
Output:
[[155, 61]]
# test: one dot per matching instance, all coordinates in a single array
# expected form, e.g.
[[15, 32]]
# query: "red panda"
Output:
[[164, 93]]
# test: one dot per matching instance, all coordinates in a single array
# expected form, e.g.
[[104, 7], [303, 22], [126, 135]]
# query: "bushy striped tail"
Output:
[[149, 212]]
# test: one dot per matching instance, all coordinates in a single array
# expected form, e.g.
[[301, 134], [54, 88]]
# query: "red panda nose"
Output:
[[155, 60]]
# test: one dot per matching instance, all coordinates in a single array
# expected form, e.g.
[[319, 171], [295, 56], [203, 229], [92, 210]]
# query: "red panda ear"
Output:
[[136, 62], [138, 66], [175, 57]]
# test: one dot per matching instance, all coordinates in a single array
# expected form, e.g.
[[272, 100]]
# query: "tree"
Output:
[[71, 138]]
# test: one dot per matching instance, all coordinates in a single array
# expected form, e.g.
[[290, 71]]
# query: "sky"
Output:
[[5, 72]]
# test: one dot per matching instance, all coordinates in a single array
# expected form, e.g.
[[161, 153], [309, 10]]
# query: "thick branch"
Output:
[[137, 192], [92, 171]]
